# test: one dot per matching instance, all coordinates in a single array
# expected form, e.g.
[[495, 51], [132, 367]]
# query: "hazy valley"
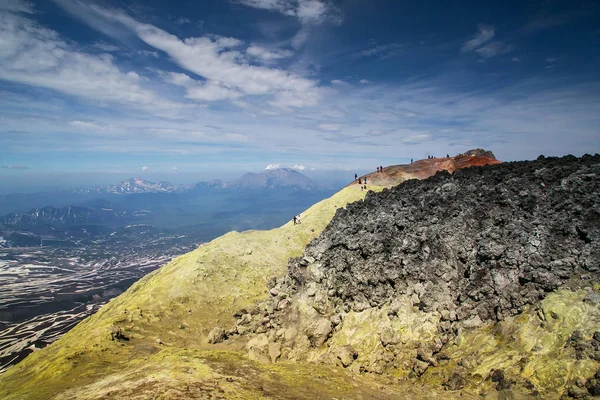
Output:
[[58, 264]]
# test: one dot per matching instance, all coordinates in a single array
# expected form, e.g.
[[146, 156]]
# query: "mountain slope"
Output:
[[275, 178], [426, 262], [161, 324]]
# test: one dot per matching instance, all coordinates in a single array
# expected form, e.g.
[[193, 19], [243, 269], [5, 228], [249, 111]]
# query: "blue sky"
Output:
[[190, 89]]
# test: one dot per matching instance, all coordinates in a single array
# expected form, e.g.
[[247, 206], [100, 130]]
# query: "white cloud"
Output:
[[217, 60], [382, 51], [267, 55], [550, 59], [182, 21], [329, 127], [148, 53], [493, 49], [17, 6], [483, 35], [145, 168], [15, 167], [271, 166], [516, 59], [93, 126], [307, 11], [106, 47], [364, 81], [175, 169], [298, 167], [338, 82], [36, 56]]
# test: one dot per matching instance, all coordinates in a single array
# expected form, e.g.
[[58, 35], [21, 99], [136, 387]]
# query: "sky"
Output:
[[185, 90]]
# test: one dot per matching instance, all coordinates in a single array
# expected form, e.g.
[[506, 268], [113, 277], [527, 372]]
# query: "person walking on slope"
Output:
[[380, 168], [377, 169], [295, 220], [298, 219], [355, 176]]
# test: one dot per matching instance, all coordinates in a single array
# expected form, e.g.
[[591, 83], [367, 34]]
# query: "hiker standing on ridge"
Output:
[[377, 169], [355, 176], [380, 168], [295, 220], [359, 181], [298, 218]]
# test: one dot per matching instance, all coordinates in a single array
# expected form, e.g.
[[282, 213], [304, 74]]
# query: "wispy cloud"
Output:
[[298, 167], [183, 21], [22, 6], [145, 168], [16, 167], [382, 51], [493, 49], [37, 56], [306, 11], [329, 127], [220, 62], [271, 167], [148, 53], [481, 44], [484, 34], [267, 55], [106, 47]]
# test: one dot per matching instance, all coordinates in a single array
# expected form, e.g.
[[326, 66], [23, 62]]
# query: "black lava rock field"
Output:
[[477, 245]]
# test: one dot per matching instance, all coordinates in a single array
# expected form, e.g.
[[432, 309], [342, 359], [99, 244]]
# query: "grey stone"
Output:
[[217, 335]]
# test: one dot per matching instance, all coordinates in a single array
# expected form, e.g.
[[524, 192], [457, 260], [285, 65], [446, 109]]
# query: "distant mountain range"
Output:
[[269, 179], [205, 210], [133, 186]]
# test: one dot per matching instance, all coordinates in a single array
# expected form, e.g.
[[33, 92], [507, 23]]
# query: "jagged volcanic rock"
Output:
[[476, 245]]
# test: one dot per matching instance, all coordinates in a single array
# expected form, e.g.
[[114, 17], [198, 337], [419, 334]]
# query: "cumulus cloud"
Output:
[[484, 34], [271, 166], [220, 62], [17, 167], [307, 11], [145, 168], [175, 169], [298, 167]]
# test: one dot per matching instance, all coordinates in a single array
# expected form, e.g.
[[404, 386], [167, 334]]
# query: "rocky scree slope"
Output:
[[443, 256]]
